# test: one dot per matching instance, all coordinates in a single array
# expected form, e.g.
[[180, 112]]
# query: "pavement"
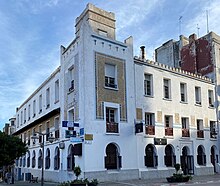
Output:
[[196, 180]]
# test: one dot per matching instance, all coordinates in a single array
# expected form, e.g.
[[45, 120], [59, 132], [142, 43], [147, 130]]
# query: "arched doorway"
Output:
[[47, 159], [169, 158], [112, 158], [57, 159], [214, 157], [201, 157], [70, 158], [151, 156], [187, 163]]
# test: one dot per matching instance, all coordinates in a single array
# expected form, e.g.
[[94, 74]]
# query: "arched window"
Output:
[[169, 158], [47, 159], [28, 159], [201, 157], [57, 159], [24, 160], [33, 159], [151, 157], [112, 158], [70, 158], [40, 158], [20, 161]]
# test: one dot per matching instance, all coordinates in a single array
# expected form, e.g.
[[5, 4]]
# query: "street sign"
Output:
[[160, 141], [75, 140], [70, 133], [69, 124]]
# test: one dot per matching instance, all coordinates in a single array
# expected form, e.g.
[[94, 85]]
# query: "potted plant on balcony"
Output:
[[78, 182], [178, 177]]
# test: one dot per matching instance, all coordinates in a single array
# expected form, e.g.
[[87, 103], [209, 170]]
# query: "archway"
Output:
[[112, 158], [151, 157], [201, 157], [187, 163], [169, 158]]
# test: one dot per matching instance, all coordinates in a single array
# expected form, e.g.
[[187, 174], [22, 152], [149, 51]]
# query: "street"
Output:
[[210, 180]]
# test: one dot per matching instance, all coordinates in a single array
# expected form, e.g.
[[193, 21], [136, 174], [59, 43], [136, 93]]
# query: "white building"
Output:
[[106, 96]]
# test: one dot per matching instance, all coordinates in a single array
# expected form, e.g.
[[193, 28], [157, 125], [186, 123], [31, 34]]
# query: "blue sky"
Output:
[[31, 32]]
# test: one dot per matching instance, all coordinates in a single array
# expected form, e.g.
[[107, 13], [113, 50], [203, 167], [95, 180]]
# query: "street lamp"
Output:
[[50, 139]]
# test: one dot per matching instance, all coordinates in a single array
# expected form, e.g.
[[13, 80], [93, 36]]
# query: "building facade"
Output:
[[116, 116]]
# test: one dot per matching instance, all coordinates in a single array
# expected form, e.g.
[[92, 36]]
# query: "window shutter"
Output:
[[110, 70]]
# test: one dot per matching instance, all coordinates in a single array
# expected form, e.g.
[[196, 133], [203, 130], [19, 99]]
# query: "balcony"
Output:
[[185, 133], [111, 127], [200, 134], [150, 130], [168, 131]]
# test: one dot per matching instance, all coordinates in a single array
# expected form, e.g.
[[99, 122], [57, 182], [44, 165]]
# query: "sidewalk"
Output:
[[197, 180]]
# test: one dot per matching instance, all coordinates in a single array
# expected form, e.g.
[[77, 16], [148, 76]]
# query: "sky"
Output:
[[32, 31]]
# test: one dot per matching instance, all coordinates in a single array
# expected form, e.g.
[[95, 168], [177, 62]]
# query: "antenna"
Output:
[[207, 21], [180, 22], [198, 29]]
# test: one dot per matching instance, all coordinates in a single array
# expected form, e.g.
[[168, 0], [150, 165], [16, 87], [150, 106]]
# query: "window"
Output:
[[183, 92], [29, 112], [213, 133], [149, 119], [56, 126], [29, 137], [166, 84], [40, 103], [211, 98], [33, 159], [148, 82], [200, 132], [28, 159], [21, 117], [71, 79], [47, 130], [17, 120], [25, 115], [34, 108], [198, 95], [57, 91], [111, 124], [168, 120], [185, 127], [40, 130], [102, 33], [149, 123], [110, 76], [48, 98]]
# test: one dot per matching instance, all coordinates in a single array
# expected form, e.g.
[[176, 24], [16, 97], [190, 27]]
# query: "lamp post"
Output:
[[50, 139]]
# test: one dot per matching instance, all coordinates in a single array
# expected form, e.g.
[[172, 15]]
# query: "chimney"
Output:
[[143, 55]]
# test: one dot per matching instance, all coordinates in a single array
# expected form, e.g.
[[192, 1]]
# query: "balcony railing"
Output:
[[200, 134], [111, 127], [150, 130], [168, 131], [185, 133]]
